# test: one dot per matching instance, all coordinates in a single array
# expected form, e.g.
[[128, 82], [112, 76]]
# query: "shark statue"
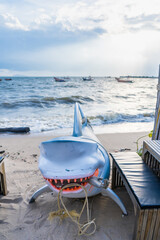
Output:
[[80, 159]]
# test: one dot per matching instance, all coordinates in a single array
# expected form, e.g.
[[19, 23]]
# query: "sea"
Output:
[[47, 106]]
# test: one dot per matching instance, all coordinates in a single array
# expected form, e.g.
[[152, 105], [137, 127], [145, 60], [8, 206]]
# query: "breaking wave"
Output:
[[47, 101], [119, 118], [67, 100]]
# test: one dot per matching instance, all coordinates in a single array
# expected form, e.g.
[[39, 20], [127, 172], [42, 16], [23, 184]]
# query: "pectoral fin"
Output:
[[109, 193]]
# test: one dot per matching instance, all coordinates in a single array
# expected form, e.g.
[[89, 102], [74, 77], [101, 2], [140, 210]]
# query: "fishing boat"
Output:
[[8, 79], [87, 78], [123, 80], [71, 163], [59, 79]]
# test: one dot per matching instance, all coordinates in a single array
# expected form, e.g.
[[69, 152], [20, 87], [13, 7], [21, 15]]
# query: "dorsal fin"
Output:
[[77, 126]]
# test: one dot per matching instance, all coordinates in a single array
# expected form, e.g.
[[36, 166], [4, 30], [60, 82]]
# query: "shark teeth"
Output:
[[59, 183]]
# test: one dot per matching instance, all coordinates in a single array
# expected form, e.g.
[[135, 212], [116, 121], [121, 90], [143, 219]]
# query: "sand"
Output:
[[23, 221]]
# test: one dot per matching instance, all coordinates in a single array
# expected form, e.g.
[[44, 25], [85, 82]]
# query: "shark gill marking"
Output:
[[59, 183]]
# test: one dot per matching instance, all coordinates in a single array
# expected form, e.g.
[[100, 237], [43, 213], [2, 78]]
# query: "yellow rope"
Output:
[[75, 217], [139, 151]]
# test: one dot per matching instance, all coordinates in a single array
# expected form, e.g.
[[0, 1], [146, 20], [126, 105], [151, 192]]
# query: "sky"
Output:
[[79, 37]]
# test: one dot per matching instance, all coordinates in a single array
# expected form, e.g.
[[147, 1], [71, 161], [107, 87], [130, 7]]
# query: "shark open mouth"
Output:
[[59, 183]]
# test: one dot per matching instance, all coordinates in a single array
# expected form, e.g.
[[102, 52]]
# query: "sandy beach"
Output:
[[23, 221]]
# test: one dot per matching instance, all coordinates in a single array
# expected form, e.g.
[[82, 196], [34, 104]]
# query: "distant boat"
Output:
[[59, 79], [123, 80], [87, 78], [0, 79], [8, 79]]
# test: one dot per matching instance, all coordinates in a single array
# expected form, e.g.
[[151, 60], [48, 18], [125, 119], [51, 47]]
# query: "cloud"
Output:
[[85, 15], [143, 21], [11, 22], [71, 15], [78, 36]]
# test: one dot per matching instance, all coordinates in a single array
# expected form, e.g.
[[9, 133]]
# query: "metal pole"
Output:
[[156, 131]]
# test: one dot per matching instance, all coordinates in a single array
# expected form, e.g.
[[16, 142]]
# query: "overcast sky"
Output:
[[73, 37]]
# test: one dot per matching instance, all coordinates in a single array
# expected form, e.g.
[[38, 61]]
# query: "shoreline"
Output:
[[121, 127], [124, 127]]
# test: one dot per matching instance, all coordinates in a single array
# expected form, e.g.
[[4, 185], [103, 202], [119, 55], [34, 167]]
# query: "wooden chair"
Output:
[[151, 155]]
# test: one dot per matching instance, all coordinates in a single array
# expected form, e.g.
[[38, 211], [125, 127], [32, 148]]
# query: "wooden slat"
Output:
[[152, 226], [157, 226], [138, 224], [155, 144], [119, 180], [116, 178], [151, 155], [145, 217], [148, 224], [153, 147], [113, 175]]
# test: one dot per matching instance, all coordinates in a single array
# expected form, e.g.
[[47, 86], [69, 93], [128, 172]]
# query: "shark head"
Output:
[[70, 159]]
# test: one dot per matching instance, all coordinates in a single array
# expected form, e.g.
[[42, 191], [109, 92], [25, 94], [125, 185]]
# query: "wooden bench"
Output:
[[143, 186], [3, 183], [151, 155]]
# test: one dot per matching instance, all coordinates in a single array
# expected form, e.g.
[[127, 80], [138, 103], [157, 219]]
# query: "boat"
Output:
[[8, 79], [59, 79], [70, 164], [123, 80], [87, 78], [0, 79]]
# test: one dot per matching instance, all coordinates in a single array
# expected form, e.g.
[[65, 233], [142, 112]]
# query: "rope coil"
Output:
[[74, 216]]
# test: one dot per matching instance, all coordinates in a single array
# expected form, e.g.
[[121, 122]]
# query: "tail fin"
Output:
[[77, 126]]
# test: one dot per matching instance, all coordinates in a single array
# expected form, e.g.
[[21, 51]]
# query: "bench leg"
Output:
[[147, 224], [109, 193]]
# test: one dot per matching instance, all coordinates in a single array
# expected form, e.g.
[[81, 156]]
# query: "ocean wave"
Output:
[[74, 99], [22, 103], [123, 97], [47, 101], [43, 104], [118, 118]]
